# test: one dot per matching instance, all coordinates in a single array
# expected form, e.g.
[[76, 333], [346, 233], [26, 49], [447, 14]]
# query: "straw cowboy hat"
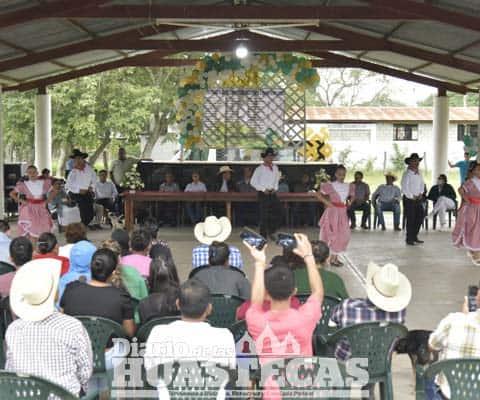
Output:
[[223, 169], [413, 156], [269, 151], [78, 153], [34, 287], [388, 288], [391, 174], [213, 229]]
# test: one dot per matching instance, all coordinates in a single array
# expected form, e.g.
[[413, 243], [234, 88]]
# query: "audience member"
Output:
[[152, 226], [333, 285], [47, 247], [195, 209], [214, 229], [219, 277], [80, 258], [278, 285], [43, 342], [164, 289], [110, 302], [457, 336], [444, 199], [244, 185], [123, 239], [4, 241], [387, 198], [360, 202], [21, 251], [169, 209], [74, 233], [164, 252], [166, 343], [140, 247], [105, 195], [463, 166], [388, 295], [60, 205], [283, 184]]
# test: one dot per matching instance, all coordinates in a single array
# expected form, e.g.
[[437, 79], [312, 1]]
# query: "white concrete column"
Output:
[[43, 130], [440, 135], [2, 160]]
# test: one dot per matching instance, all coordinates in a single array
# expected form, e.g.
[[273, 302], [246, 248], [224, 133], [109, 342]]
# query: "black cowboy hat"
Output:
[[78, 153], [269, 151], [413, 156]]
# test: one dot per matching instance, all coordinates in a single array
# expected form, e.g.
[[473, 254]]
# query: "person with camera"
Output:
[[32, 196], [80, 186], [457, 336], [265, 180]]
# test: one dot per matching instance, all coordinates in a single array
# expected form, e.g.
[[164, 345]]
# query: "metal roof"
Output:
[[387, 114], [435, 42]]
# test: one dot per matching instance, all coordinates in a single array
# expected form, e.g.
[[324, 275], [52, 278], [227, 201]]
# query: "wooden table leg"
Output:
[[128, 212], [228, 207]]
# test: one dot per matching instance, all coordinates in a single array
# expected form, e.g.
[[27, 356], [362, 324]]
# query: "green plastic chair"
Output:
[[5, 268], [374, 341], [100, 331], [224, 310], [15, 386], [145, 329], [462, 374], [322, 330]]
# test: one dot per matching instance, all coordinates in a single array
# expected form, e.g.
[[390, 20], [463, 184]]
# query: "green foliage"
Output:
[[454, 100], [398, 158]]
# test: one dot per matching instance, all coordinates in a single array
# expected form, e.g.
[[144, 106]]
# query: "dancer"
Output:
[[31, 196], [413, 189], [467, 228], [334, 225]]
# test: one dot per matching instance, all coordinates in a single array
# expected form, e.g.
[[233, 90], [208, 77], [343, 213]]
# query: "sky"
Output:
[[410, 93]]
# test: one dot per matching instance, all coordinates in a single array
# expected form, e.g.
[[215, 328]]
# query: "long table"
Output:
[[133, 197]]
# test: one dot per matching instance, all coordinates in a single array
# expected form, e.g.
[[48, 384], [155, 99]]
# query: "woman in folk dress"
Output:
[[31, 196], [467, 228], [334, 224]]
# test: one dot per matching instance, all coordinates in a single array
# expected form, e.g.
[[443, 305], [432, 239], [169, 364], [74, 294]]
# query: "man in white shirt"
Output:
[[4, 241], [120, 166], [105, 195], [81, 184], [191, 338], [265, 181], [413, 189]]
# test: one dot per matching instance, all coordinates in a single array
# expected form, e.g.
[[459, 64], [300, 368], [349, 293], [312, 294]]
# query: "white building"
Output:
[[371, 132]]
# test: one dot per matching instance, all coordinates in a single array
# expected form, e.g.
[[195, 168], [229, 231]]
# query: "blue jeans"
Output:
[[432, 390], [194, 212], [388, 206]]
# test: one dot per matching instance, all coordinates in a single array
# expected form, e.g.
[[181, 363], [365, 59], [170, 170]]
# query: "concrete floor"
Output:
[[439, 273]]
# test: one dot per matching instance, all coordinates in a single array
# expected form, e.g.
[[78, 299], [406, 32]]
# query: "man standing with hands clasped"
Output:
[[265, 181], [413, 189]]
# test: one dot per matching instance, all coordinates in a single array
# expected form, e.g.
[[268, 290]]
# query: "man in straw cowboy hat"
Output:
[[387, 198], [413, 189], [214, 229], [265, 180], [42, 341], [388, 294], [80, 186]]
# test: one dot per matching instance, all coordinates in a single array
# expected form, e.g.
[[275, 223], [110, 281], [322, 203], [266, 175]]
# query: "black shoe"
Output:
[[397, 229], [365, 227], [383, 228], [419, 241], [353, 226], [410, 243]]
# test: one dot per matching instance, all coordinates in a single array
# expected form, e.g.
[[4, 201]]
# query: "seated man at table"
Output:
[[361, 202], [214, 230], [387, 198], [105, 196], [169, 210], [195, 209]]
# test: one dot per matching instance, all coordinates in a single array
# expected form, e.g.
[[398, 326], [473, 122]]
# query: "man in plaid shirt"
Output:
[[457, 336], [388, 294]]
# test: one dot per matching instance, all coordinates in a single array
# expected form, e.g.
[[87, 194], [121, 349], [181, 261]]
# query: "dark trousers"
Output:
[[246, 214], [194, 211], [364, 207], [168, 213], [414, 214], [85, 205], [108, 204], [271, 213]]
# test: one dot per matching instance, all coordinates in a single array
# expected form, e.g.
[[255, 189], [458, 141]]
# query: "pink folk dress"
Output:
[[33, 216], [467, 228], [334, 223]]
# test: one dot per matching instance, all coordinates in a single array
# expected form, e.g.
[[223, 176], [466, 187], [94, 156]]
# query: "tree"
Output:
[[351, 87], [454, 100]]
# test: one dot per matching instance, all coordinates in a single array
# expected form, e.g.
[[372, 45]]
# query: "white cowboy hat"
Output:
[[213, 230], [391, 174], [388, 288], [34, 287], [223, 169]]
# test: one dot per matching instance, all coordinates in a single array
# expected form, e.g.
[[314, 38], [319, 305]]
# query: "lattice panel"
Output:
[[251, 118]]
